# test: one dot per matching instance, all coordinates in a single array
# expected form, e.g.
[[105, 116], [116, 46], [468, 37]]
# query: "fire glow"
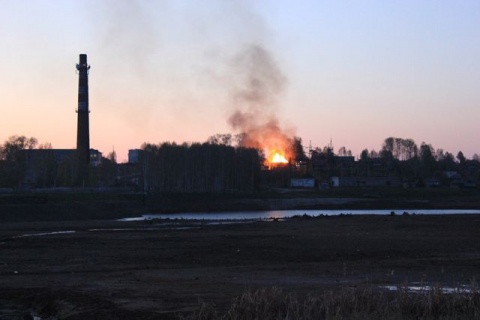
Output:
[[256, 92], [273, 142], [275, 159], [278, 158]]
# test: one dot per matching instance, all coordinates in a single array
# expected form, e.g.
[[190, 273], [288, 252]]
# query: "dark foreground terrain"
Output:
[[163, 269]]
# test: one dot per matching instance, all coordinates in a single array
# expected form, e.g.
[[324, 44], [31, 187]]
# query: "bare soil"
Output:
[[161, 269]]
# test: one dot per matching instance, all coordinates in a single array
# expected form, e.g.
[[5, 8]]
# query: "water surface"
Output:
[[282, 214]]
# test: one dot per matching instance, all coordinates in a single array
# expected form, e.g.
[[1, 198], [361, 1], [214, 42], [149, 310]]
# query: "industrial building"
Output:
[[44, 164]]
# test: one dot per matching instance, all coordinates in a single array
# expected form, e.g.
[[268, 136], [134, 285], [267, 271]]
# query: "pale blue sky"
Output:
[[357, 71]]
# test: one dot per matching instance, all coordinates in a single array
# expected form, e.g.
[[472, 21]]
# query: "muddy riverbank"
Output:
[[160, 269], [94, 205]]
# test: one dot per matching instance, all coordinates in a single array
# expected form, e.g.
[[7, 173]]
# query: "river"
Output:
[[282, 214]]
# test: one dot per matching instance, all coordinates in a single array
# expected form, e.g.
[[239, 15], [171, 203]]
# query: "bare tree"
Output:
[[343, 152], [221, 139], [13, 168]]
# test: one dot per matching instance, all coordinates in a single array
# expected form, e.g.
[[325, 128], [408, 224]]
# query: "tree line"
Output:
[[26, 163], [221, 165], [398, 157], [200, 167], [213, 166]]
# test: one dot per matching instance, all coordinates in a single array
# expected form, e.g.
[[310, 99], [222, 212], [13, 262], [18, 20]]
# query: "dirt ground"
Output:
[[160, 269]]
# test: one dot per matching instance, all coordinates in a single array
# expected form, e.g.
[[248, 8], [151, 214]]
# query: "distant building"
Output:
[[42, 164], [432, 182], [302, 183], [95, 158], [452, 175], [134, 156], [365, 182]]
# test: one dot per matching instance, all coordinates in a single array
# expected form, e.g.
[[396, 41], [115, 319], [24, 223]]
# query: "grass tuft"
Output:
[[349, 303]]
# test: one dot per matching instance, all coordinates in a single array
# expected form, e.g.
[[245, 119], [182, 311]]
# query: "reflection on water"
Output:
[[180, 225], [281, 214], [423, 288], [42, 234]]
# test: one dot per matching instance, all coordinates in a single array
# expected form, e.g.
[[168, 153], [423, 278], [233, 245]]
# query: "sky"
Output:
[[353, 72]]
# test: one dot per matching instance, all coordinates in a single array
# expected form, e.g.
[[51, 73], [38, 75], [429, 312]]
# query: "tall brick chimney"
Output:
[[83, 130]]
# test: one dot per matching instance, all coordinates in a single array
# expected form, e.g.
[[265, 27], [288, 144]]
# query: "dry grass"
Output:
[[349, 303]]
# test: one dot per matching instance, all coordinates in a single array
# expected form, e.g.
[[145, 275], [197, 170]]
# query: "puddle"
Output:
[[123, 229], [43, 234], [170, 226], [463, 289]]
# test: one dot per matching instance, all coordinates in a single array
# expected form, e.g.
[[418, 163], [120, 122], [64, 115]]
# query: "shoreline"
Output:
[[152, 269], [71, 206]]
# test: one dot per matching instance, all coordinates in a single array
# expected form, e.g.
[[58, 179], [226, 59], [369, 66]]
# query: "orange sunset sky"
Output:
[[355, 72]]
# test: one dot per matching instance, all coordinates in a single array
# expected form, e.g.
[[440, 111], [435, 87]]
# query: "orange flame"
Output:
[[278, 158], [274, 142]]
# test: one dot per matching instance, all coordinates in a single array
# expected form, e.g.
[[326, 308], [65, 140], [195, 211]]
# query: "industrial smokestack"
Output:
[[83, 135]]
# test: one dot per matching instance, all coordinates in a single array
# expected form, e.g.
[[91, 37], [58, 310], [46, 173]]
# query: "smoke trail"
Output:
[[164, 62], [255, 94]]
